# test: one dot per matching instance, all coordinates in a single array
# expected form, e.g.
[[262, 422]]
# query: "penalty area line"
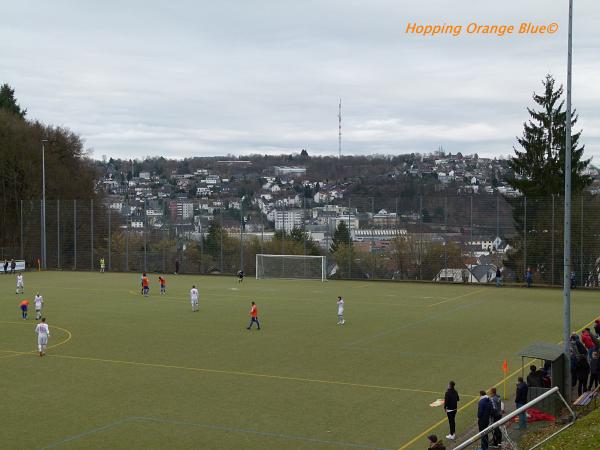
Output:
[[209, 426]]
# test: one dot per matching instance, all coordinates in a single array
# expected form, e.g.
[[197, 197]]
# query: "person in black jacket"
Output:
[[435, 443], [534, 378], [521, 400], [484, 415], [497, 411], [577, 345], [451, 400], [597, 327], [582, 370], [594, 371]]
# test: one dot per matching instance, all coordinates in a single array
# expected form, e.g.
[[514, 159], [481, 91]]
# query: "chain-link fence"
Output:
[[462, 238]]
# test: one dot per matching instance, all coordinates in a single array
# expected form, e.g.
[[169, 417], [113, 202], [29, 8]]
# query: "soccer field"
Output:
[[128, 372]]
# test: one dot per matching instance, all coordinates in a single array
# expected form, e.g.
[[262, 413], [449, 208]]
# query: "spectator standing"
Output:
[[597, 327], [435, 443], [594, 371], [498, 277], [586, 339], [176, 266], [578, 347], [529, 277], [534, 378], [582, 371], [13, 265], [451, 400], [484, 414], [497, 411], [521, 400], [6, 267]]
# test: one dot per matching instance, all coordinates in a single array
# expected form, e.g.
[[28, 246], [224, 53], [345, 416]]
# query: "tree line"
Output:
[[69, 173]]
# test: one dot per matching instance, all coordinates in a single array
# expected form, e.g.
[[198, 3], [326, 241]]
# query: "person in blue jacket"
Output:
[[484, 415]]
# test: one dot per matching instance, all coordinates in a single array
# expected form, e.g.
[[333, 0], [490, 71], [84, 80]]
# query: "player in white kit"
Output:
[[194, 298], [340, 303], [19, 283], [38, 302], [43, 333]]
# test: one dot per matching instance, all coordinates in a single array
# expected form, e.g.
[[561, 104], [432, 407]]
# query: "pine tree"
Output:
[[340, 237], [9, 102], [213, 238], [539, 167], [539, 174]]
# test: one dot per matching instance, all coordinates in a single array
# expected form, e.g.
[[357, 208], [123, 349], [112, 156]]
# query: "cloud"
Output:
[[197, 78]]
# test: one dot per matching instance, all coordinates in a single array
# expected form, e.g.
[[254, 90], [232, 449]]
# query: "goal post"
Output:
[[298, 267]]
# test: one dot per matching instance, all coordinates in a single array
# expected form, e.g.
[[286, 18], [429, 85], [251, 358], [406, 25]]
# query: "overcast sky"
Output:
[[192, 78]]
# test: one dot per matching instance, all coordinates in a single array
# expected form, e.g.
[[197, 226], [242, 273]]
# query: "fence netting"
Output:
[[460, 238]]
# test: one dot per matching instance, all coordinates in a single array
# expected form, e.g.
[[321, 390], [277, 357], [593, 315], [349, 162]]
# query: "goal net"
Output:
[[545, 416], [290, 266]]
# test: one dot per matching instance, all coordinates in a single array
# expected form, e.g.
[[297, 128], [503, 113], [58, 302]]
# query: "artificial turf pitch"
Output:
[[128, 372]]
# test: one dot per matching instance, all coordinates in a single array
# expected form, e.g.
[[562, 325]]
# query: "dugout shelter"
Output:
[[545, 352]]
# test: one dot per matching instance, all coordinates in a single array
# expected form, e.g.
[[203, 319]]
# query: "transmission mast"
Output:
[[340, 129]]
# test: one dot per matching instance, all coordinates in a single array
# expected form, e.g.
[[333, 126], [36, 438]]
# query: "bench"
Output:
[[585, 398]]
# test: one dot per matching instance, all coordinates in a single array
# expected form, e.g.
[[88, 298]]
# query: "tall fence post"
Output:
[[420, 235], [22, 246], [471, 227], [127, 248], [498, 260], [349, 241], [524, 235], [74, 234], [581, 243], [221, 240], [92, 232], [109, 241], [201, 248], [446, 237], [242, 233], [497, 215], [58, 233], [262, 231], [145, 238], [373, 259], [42, 235], [304, 229], [164, 251], [552, 243]]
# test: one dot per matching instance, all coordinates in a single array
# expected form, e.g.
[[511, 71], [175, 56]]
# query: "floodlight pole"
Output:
[[567, 218], [43, 204]]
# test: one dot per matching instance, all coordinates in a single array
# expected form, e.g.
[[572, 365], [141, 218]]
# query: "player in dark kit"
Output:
[[240, 275]]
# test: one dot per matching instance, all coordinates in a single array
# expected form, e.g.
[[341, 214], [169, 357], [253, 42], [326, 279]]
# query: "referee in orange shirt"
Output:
[[253, 317]]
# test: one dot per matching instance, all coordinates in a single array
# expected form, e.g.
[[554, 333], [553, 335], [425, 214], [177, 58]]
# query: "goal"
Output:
[[291, 266]]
